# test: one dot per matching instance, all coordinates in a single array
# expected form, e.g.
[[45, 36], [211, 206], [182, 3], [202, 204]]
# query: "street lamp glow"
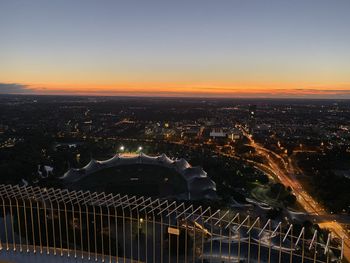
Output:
[[140, 148], [121, 148]]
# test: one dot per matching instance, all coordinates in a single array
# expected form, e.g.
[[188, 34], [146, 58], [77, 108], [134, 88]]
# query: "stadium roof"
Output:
[[199, 185]]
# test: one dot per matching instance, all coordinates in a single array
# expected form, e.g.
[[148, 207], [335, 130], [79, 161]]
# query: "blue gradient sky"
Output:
[[237, 48]]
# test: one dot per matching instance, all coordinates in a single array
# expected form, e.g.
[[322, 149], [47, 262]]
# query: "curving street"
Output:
[[284, 172]]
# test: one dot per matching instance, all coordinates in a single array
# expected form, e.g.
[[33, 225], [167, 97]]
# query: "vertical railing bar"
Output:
[[67, 228], [177, 238], [116, 232], [229, 244], [270, 241], [46, 230], [13, 227], [5, 223], [124, 237], [53, 227], [43, 200], [194, 242], [303, 246], [81, 232], [25, 221], [280, 242], [109, 235], [186, 241], [19, 227], [259, 244], [101, 233], [138, 233], [73, 222], [220, 234], [161, 234], [88, 231], [32, 221], [60, 227], [169, 235], [95, 231], [211, 231], [131, 241], [1, 246], [39, 227], [10, 207], [291, 243], [154, 234], [315, 252], [249, 240]]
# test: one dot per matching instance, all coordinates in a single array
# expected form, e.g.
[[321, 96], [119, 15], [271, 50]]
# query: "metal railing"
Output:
[[116, 228]]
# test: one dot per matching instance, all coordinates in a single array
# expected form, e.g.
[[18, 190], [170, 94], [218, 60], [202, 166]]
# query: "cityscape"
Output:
[[263, 158], [174, 131]]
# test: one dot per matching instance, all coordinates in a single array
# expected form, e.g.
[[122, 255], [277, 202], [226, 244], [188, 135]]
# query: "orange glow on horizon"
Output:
[[193, 89]]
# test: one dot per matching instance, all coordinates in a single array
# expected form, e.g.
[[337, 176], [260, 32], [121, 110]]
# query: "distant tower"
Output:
[[252, 117]]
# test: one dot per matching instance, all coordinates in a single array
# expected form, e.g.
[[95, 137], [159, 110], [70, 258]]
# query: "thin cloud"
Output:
[[14, 88]]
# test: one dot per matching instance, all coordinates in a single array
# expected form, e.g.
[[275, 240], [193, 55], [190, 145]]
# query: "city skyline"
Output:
[[175, 131], [184, 48], [266, 166]]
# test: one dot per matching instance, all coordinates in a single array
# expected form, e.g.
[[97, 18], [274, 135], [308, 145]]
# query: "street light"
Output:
[[140, 148], [122, 148]]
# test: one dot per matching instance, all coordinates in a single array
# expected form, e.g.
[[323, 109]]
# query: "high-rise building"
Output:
[[252, 117]]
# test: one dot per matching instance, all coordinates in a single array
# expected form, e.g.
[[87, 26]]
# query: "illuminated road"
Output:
[[286, 175]]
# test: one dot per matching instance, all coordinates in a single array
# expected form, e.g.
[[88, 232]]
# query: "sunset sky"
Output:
[[204, 48]]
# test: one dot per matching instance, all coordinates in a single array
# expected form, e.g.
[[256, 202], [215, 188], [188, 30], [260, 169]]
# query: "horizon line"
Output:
[[171, 97]]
